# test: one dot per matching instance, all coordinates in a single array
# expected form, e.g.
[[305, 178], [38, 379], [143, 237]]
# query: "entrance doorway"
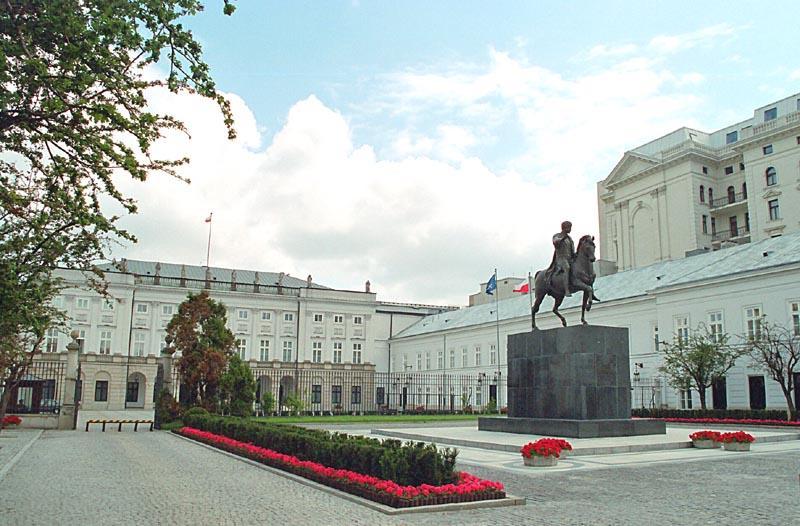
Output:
[[719, 393], [758, 395]]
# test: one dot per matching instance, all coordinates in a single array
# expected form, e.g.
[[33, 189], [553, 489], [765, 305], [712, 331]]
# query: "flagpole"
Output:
[[208, 248], [497, 318], [530, 297]]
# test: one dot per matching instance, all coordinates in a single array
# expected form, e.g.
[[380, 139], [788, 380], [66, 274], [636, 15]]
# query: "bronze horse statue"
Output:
[[581, 279]]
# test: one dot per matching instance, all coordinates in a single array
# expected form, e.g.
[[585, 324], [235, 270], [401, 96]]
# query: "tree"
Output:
[[776, 350], [199, 333], [238, 387], [73, 119], [698, 359]]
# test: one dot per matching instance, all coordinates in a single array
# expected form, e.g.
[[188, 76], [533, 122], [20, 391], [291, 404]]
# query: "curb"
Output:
[[510, 500], [18, 456]]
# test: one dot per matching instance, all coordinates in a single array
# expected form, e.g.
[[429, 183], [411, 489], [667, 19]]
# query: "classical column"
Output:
[[66, 417]]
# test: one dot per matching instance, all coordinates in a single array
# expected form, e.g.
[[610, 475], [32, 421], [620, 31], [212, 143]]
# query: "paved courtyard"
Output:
[[67, 477]]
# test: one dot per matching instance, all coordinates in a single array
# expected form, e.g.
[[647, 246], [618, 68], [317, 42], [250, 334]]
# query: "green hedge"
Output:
[[413, 463], [757, 414]]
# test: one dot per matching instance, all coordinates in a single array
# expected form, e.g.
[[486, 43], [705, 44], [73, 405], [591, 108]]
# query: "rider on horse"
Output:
[[560, 267]]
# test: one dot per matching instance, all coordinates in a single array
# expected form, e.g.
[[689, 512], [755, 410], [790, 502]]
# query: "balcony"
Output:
[[731, 200], [739, 235]]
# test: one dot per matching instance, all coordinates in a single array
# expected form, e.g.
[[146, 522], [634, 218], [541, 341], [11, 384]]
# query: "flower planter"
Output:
[[539, 461], [705, 444], [737, 446]]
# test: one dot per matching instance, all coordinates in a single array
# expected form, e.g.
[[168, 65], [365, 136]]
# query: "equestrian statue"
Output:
[[570, 271]]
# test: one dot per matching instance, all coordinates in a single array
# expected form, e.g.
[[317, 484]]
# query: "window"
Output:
[[243, 315], [767, 149], [81, 339], [380, 395], [358, 320], [82, 303], [288, 316], [337, 352], [419, 362], [655, 338], [771, 176], [734, 226], [139, 339], [107, 306], [316, 352], [440, 360], [710, 196], [770, 114], [705, 170], [747, 221], [731, 194], [715, 326], [702, 194], [167, 310], [101, 391], [731, 137], [795, 314], [752, 317], [288, 350], [713, 226], [682, 329], [316, 394], [355, 395], [728, 170], [741, 167], [263, 350], [266, 315], [105, 342], [463, 357], [338, 318], [336, 394], [492, 354], [51, 342], [477, 355], [318, 318], [774, 210], [744, 190], [142, 308], [686, 398], [452, 358], [427, 360], [241, 348], [356, 353], [705, 224]]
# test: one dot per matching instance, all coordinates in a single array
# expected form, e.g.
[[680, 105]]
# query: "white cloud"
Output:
[[603, 50], [668, 44], [794, 75]]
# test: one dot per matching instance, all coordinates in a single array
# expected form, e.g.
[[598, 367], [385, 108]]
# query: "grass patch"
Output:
[[169, 426], [357, 419]]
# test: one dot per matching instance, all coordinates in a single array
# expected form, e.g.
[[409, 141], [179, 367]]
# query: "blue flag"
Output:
[[491, 285]]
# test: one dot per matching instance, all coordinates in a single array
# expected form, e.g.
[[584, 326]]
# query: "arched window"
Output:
[[771, 176], [710, 196], [744, 190], [731, 195], [702, 194]]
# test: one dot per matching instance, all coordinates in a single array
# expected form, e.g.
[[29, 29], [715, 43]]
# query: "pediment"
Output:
[[630, 165], [771, 193]]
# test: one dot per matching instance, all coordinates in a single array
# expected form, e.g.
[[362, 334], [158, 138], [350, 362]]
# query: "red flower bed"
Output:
[[738, 436], [705, 435], [545, 447], [10, 420], [468, 487], [740, 421]]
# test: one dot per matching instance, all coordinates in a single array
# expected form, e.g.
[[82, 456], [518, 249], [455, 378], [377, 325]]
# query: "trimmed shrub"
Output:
[[741, 414], [406, 464]]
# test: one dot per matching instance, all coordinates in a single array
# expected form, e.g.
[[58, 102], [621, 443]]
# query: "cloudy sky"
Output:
[[422, 144]]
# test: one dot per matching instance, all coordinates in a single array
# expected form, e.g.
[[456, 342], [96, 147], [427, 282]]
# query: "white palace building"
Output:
[[699, 227]]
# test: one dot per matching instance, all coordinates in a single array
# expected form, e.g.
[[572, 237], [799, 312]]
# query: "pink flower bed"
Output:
[[468, 487], [740, 421]]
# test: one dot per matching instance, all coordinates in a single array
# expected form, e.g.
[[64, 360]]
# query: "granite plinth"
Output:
[[572, 428]]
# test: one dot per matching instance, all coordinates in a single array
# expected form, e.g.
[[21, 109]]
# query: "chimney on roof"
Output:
[[256, 282], [308, 281], [183, 275], [366, 286], [233, 280], [157, 278], [280, 282]]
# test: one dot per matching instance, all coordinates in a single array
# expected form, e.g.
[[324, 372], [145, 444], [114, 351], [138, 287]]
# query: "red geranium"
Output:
[[705, 435], [738, 436], [9, 420], [545, 447], [741, 421]]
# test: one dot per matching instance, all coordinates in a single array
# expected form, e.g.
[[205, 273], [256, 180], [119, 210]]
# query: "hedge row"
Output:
[[412, 464], [740, 414]]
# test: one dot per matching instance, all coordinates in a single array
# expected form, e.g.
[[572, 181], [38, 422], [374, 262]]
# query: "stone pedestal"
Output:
[[570, 382], [66, 417]]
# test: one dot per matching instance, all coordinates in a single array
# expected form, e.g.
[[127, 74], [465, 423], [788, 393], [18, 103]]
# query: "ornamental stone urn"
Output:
[[737, 446], [540, 461], [705, 444]]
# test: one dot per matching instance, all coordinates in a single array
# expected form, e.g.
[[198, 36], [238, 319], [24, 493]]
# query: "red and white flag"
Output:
[[208, 219], [523, 287]]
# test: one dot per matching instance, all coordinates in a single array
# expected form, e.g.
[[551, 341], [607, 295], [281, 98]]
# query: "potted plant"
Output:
[[705, 439], [566, 447], [11, 421], [542, 453], [737, 441]]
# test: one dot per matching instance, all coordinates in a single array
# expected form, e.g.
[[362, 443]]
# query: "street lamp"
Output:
[[636, 373]]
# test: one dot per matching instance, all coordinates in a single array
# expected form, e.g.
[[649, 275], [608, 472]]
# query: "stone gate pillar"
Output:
[[66, 417]]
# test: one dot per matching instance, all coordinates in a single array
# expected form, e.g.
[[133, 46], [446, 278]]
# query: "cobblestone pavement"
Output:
[[127, 478]]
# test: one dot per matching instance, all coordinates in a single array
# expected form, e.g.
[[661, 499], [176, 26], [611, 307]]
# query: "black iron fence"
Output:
[[647, 393], [40, 390], [364, 391]]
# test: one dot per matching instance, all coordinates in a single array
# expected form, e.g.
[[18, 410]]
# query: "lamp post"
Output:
[[636, 373]]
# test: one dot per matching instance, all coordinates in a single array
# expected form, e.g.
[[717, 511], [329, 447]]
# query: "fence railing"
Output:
[[40, 390], [347, 392], [200, 284]]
